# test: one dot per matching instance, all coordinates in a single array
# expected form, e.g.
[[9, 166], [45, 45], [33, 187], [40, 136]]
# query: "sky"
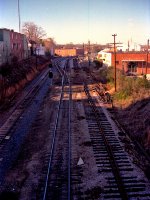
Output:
[[78, 21]]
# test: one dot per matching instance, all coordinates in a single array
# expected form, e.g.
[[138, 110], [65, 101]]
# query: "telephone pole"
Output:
[[89, 52], [114, 35], [83, 51], [147, 56], [19, 15]]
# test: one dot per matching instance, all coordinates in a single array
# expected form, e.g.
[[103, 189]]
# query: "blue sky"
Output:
[[78, 21]]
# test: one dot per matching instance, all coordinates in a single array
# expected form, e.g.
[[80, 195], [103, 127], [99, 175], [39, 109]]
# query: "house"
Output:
[[12, 44], [105, 57], [5, 49]]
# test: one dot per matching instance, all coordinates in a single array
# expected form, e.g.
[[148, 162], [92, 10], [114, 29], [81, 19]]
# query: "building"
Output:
[[5, 50], [105, 57], [40, 50], [69, 52], [12, 44], [136, 62]]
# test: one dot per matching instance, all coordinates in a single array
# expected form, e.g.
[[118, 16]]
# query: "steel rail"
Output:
[[59, 69], [20, 108], [113, 163], [139, 147], [53, 142], [27, 93]]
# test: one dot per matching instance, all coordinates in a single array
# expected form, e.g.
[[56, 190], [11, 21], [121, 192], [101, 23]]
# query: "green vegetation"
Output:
[[98, 64], [126, 86]]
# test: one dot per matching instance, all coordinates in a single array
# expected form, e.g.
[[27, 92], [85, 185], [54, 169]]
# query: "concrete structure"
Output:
[[13, 44], [134, 63], [69, 52]]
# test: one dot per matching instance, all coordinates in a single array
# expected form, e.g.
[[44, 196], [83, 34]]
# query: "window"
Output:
[[117, 62]]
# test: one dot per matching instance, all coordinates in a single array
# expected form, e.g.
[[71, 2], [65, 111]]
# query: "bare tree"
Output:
[[32, 31]]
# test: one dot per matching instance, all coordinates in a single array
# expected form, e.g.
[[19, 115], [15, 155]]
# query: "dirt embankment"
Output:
[[135, 118], [15, 76], [133, 113]]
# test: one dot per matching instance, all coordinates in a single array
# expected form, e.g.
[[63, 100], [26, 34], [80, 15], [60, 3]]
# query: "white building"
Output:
[[40, 50], [105, 57]]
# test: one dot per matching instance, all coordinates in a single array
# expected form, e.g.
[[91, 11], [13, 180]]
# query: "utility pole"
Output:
[[147, 56], [114, 35], [89, 48], [19, 15], [83, 50]]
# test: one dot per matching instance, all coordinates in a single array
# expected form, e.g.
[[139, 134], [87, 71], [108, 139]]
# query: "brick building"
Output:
[[69, 52], [130, 62], [13, 44]]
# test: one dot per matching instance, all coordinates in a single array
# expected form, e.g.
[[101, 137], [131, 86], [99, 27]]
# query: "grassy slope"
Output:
[[132, 103]]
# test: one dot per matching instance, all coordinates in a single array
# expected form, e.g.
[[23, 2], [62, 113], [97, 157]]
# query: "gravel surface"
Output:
[[23, 179]]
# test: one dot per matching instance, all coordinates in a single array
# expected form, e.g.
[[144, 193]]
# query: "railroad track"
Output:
[[137, 147], [21, 106], [14, 130], [121, 178], [23, 98], [61, 177], [56, 183]]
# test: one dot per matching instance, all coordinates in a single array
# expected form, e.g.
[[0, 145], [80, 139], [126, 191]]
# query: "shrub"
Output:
[[142, 82], [98, 63], [110, 74], [5, 69], [126, 86], [121, 95]]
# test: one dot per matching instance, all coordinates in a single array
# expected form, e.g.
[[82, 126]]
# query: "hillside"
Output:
[[135, 118], [131, 103]]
